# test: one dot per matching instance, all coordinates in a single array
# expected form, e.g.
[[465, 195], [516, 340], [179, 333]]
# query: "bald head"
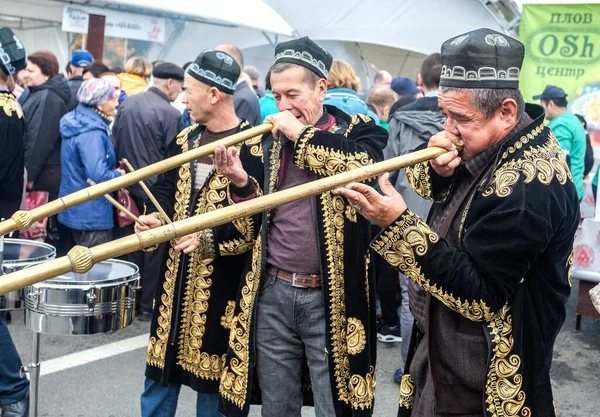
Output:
[[234, 51], [382, 79]]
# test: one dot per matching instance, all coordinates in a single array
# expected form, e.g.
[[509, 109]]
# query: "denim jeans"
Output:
[[290, 324], [13, 385], [406, 318], [160, 401]]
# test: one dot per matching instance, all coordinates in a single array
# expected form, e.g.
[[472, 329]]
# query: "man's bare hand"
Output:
[[382, 210], [286, 124], [151, 222], [228, 163], [446, 164], [187, 244]]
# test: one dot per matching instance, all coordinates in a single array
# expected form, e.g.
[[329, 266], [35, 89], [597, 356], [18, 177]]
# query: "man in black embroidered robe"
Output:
[[307, 296], [495, 255], [201, 273]]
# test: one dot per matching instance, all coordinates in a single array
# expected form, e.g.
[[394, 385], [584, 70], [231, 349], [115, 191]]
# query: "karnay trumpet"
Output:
[[22, 220], [81, 259]]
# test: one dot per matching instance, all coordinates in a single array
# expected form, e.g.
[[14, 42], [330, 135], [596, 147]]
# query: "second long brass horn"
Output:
[[22, 220], [81, 259]]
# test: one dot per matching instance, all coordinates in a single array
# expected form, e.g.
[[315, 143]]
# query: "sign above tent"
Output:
[[118, 24]]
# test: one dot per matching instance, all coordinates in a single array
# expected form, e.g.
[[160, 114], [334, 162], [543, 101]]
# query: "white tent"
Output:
[[370, 34], [38, 22]]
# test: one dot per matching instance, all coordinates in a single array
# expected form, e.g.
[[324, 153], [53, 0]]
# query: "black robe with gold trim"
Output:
[[196, 294], [344, 247], [511, 271]]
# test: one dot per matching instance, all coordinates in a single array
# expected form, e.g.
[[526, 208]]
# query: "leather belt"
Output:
[[297, 280]]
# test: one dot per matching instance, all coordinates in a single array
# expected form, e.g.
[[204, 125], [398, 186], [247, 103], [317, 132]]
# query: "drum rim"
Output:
[[28, 261], [65, 284]]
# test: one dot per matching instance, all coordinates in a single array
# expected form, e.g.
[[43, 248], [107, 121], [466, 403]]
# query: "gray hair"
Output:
[[252, 72], [309, 76], [488, 100]]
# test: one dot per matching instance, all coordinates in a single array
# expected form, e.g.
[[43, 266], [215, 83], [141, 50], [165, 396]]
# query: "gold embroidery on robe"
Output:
[[10, 105], [356, 390], [407, 392], [543, 163], [326, 161], [227, 318], [157, 346], [197, 290], [356, 338], [504, 395], [409, 237], [419, 179], [234, 378]]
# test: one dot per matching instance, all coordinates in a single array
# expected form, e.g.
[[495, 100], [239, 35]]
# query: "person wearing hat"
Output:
[[144, 128], [494, 258], [200, 273], [407, 92], [87, 153], [14, 386], [79, 60], [568, 131], [304, 322]]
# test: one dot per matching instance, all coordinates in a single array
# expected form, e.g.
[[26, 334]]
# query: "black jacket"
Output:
[[145, 126], [74, 84], [12, 130], [511, 270], [348, 288], [246, 104], [196, 292], [43, 109]]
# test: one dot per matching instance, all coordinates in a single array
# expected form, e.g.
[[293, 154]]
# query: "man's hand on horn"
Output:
[[382, 210], [228, 163]]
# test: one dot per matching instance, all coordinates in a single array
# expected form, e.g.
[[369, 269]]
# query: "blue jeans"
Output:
[[13, 385], [160, 401], [290, 324], [406, 318]]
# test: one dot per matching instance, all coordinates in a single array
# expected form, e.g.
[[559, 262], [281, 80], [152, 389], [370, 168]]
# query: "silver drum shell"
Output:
[[82, 308], [44, 252]]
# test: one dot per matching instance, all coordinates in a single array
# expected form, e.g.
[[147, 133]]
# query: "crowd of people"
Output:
[[465, 259]]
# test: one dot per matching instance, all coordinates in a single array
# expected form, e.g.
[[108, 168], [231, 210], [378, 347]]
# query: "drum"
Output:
[[19, 254], [101, 300]]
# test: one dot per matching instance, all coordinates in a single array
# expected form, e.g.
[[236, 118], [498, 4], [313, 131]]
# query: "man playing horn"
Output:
[[197, 293], [493, 262], [307, 297]]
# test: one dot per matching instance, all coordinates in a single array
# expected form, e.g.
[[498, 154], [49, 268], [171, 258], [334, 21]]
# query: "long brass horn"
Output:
[[81, 259], [22, 220]]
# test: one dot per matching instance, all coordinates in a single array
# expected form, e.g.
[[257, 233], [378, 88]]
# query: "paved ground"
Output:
[[111, 386]]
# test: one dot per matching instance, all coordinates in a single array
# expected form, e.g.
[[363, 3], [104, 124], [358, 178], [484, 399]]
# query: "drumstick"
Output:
[[119, 206], [148, 193]]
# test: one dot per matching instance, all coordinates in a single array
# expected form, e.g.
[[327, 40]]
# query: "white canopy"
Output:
[[371, 34], [254, 14]]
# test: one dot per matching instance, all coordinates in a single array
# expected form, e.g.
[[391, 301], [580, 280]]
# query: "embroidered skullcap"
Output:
[[166, 70], [13, 57], [482, 58], [304, 52], [217, 69], [95, 92]]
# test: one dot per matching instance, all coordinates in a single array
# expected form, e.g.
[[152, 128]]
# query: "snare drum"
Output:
[[100, 301], [19, 254]]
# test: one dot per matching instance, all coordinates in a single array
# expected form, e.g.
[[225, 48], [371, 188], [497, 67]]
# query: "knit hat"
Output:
[[95, 92]]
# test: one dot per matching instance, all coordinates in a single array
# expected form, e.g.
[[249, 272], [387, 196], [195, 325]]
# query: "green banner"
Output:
[[562, 48]]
